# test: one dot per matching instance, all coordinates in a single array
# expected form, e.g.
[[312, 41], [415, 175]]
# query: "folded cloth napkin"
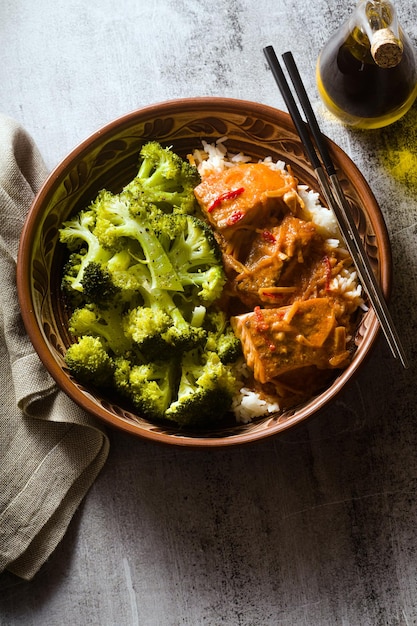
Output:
[[50, 450]]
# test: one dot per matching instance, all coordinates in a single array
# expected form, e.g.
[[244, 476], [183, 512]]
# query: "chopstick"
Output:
[[332, 191]]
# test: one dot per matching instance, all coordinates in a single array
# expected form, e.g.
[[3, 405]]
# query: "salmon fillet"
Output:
[[277, 260], [242, 195], [276, 341]]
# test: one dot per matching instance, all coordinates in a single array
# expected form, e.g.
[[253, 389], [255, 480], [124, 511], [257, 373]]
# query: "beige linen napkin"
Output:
[[50, 450]]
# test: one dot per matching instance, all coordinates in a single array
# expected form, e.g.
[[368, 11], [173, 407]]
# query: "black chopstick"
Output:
[[308, 112], [332, 191], [299, 123]]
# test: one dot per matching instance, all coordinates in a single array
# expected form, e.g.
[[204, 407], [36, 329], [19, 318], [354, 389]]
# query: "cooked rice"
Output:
[[247, 405], [215, 157]]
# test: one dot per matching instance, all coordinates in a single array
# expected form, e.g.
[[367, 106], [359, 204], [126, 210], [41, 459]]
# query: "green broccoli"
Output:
[[97, 285], [145, 326], [221, 337], [116, 223], [106, 323], [196, 258], [143, 275], [165, 179], [121, 375], [73, 297], [194, 255], [89, 361], [78, 235], [205, 390], [159, 324], [151, 387]]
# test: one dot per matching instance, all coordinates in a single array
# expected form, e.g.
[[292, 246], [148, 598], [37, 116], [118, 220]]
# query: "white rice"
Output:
[[215, 157], [247, 405]]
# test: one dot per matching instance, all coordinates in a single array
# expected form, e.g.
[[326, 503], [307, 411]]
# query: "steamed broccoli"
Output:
[[73, 297], [168, 315], [104, 323], [121, 375], [98, 285], [165, 180], [116, 223], [151, 387], [78, 235], [144, 276], [89, 361], [196, 258], [205, 390], [221, 337], [159, 324]]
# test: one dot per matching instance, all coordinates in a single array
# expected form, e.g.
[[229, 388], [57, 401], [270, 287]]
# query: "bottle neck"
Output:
[[377, 19]]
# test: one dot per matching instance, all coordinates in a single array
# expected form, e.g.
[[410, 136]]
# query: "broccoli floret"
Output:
[[89, 361], [182, 335], [151, 387], [205, 391], [128, 276], [196, 258], [116, 223], [97, 285], [145, 326], [221, 338], [78, 235], [159, 324], [104, 323], [143, 274], [166, 227], [165, 179], [121, 375], [74, 298]]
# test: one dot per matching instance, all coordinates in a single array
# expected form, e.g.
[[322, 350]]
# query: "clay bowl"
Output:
[[108, 159]]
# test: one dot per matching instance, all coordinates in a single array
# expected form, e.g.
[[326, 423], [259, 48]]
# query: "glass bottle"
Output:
[[366, 73]]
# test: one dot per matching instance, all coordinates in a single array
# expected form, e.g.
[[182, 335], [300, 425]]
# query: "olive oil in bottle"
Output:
[[366, 73]]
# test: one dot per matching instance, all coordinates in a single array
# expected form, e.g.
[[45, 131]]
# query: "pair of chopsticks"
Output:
[[332, 191]]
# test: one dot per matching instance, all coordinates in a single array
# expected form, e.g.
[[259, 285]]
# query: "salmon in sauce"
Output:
[[277, 260], [276, 341], [293, 327], [242, 195]]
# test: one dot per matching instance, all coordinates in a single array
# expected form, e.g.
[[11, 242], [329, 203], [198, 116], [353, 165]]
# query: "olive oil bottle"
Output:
[[366, 73]]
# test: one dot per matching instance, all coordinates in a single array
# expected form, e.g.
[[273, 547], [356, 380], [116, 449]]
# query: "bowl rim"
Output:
[[99, 412]]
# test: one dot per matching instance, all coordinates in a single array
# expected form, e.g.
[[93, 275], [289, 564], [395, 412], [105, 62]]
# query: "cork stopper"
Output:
[[386, 48]]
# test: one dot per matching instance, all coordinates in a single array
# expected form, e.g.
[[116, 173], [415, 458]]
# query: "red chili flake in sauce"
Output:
[[263, 327], [268, 236], [275, 296], [260, 321], [328, 272], [235, 217], [228, 195]]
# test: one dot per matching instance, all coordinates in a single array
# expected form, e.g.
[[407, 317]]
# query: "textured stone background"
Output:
[[316, 527]]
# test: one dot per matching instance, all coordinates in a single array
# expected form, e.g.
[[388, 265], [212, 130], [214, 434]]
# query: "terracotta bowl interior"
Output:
[[109, 159]]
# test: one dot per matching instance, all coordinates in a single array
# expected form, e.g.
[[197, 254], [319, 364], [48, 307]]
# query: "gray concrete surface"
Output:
[[316, 527]]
